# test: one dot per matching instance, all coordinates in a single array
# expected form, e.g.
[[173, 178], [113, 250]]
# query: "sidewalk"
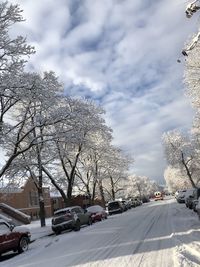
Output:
[[37, 231]]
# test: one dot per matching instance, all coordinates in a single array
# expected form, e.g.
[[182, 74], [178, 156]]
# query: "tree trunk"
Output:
[[69, 192], [112, 188], [40, 189], [42, 208], [102, 193], [188, 171], [89, 194], [41, 197], [94, 191], [56, 186]]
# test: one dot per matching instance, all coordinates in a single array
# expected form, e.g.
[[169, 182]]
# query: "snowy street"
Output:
[[161, 233]]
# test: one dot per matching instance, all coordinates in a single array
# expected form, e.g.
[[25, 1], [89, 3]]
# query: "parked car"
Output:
[[13, 238], [198, 207], [180, 197], [145, 199], [177, 193], [115, 207], [124, 205], [132, 202], [195, 200], [97, 213], [128, 203], [189, 197], [138, 202], [70, 218]]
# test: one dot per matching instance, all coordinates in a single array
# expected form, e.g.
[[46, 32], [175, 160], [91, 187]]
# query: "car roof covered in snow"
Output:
[[66, 209]]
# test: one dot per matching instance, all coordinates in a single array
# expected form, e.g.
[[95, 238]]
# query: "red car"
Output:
[[12, 238], [97, 213]]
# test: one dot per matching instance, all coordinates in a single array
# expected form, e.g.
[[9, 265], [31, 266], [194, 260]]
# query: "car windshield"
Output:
[[113, 205], [61, 212]]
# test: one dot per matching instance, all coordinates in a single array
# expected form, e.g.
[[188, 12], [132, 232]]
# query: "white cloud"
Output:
[[123, 53]]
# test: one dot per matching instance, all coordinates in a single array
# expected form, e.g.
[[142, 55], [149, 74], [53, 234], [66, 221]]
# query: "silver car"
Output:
[[70, 218]]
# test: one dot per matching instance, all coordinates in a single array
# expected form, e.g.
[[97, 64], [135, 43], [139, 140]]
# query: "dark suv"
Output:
[[70, 218], [195, 199], [115, 207], [13, 239]]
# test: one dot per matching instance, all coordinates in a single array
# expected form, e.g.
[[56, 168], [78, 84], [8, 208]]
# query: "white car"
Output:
[[180, 197]]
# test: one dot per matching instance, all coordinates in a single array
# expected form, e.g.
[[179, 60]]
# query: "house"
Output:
[[78, 200], [25, 199]]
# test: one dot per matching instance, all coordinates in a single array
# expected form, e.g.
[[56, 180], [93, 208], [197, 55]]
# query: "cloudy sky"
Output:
[[123, 54]]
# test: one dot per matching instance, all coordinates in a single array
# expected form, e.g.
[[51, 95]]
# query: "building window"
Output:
[[33, 198]]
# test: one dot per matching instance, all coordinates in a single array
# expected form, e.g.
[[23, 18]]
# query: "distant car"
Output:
[[128, 203], [70, 218], [195, 200], [158, 196], [124, 205], [97, 213], [189, 197], [115, 207], [145, 199], [132, 203], [180, 197], [177, 192], [13, 238], [137, 202], [198, 207]]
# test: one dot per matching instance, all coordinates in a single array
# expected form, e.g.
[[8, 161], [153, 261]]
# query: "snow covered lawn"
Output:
[[162, 233], [37, 231]]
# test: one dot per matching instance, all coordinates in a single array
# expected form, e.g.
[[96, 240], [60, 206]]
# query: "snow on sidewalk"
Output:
[[37, 231], [187, 250]]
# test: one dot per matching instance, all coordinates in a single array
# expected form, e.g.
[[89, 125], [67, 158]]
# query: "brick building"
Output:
[[25, 199]]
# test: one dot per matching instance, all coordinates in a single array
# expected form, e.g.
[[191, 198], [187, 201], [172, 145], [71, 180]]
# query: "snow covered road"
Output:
[[156, 234]]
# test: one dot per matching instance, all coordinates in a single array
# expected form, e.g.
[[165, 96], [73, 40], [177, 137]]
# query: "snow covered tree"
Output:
[[13, 81], [192, 8], [117, 166], [12, 50], [180, 153], [102, 168], [12, 59], [74, 140], [192, 73], [32, 128], [139, 186], [175, 179]]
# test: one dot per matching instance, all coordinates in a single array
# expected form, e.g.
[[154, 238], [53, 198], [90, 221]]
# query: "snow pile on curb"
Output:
[[37, 231]]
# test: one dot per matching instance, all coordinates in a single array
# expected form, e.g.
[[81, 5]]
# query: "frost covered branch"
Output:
[[192, 8]]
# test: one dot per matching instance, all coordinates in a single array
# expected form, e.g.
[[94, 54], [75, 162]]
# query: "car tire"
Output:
[[23, 244], [57, 232], [90, 221], [77, 226]]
